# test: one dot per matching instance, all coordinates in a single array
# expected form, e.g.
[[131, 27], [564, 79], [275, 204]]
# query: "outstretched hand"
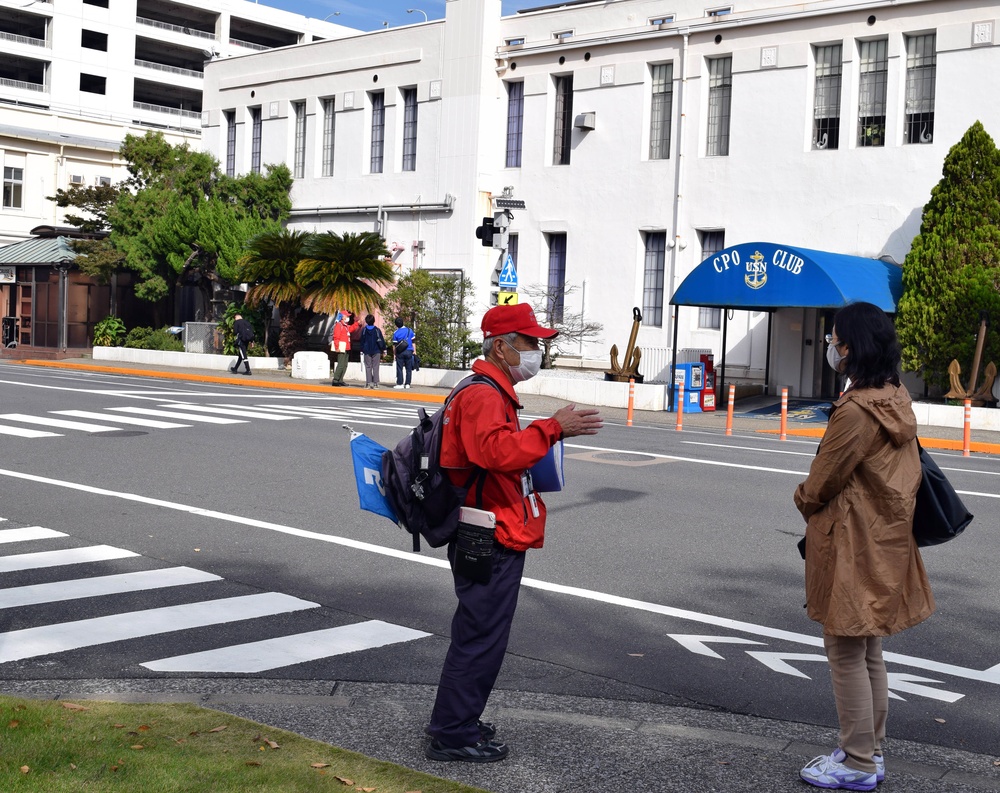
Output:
[[586, 421]]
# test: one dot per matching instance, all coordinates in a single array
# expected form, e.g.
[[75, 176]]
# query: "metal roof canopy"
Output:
[[765, 276], [39, 250]]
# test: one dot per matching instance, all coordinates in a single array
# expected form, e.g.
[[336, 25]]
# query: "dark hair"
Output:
[[399, 322], [369, 319], [872, 347]]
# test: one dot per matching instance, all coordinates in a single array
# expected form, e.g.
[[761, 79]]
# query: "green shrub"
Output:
[[109, 332], [149, 339]]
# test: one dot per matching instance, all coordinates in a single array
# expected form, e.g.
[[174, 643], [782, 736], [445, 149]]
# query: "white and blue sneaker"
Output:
[[840, 756], [829, 771]]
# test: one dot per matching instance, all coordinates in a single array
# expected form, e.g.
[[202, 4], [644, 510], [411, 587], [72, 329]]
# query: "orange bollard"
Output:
[[631, 400], [967, 430], [680, 407], [729, 410], [783, 435]]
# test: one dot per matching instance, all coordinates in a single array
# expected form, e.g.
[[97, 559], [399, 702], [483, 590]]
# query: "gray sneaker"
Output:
[[482, 752]]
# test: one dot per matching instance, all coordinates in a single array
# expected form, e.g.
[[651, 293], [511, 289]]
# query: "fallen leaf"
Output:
[[271, 743], [118, 726], [20, 707], [13, 723], [344, 780], [137, 746], [366, 789], [72, 766], [319, 765], [25, 769], [217, 729], [180, 740], [940, 721], [143, 728], [73, 706], [197, 549], [253, 762], [261, 749], [114, 768], [996, 762]]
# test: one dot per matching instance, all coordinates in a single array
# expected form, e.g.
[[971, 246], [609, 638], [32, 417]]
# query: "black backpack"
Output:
[[421, 494], [245, 332]]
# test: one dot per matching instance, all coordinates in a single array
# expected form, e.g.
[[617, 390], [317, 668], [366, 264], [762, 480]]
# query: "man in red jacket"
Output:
[[482, 430], [341, 343]]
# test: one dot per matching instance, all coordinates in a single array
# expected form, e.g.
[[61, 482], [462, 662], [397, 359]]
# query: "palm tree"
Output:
[[269, 267], [342, 271]]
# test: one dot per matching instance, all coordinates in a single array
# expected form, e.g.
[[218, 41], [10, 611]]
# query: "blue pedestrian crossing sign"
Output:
[[508, 275]]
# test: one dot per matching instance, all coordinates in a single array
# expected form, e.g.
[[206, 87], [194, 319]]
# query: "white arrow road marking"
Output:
[[776, 661], [28, 533], [47, 639], [909, 684], [696, 644], [289, 650]]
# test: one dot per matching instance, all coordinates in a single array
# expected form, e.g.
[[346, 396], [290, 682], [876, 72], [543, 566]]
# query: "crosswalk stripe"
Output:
[[60, 423], [97, 586], [23, 432], [174, 415], [289, 650], [224, 412], [47, 639], [28, 533], [33, 561], [153, 423]]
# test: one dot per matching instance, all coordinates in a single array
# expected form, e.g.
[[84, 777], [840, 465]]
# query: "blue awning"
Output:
[[766, 275]]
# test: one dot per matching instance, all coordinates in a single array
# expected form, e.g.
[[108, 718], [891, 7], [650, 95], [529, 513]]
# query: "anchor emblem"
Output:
[[756, 275]]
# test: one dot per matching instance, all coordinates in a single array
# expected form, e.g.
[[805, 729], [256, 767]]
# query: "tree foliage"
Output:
[[434, 305], [574, 330], [951, 276]]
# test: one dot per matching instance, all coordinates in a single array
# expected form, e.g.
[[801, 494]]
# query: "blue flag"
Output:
[[367, 456]]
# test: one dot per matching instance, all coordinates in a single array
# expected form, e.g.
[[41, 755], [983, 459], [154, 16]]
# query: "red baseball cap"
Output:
[[514, 319]]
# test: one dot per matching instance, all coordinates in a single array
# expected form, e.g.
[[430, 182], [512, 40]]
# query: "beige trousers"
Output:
[[861, 689]]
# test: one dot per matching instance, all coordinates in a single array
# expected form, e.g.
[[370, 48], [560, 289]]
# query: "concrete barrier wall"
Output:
[[191, 360]]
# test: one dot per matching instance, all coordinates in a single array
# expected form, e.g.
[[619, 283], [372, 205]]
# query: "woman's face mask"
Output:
[[833, 357]]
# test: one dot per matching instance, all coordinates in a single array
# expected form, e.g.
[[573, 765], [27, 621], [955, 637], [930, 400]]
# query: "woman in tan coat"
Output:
[[864, 575]]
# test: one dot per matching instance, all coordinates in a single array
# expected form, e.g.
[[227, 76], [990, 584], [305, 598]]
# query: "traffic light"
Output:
[[485, 232], [501, 226]]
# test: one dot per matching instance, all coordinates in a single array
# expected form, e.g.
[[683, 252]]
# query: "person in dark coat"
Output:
[[372, 346], [243, 331]]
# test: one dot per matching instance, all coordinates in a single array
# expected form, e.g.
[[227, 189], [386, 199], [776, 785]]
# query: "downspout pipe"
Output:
[[678, 188]]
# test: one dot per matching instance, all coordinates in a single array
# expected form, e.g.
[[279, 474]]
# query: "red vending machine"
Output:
[[707, 395]]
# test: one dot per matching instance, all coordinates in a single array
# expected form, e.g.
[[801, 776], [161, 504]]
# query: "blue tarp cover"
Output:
[[767, 275]]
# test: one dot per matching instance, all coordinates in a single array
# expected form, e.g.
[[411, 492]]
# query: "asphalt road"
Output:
[[669, 576]]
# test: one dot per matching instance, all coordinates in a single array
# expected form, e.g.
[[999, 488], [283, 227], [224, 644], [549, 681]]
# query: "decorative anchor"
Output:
[[629, 370], [984, 394]]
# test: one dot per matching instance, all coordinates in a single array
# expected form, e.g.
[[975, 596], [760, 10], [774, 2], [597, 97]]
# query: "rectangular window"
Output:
[[409, 129], [664, 20], [515, 42], [874, 70], [711, 243], [98, 3], [329, 127], [92, 40], [13, 188], [93, 84], [564, 120], [378, 131], [255, 134], [512, 248], [921, 73], [515, 123], [826, 102], [557, 277], [720, 95], [299, 109], [660, 111], [230, 142], [652, 282]]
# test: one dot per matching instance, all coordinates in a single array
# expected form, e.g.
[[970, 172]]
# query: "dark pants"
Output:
[[404, 361], [341, 370], [241, 356], [479, 633]]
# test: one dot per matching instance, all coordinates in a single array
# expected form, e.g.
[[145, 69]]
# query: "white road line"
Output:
[[224, 412], [153, 423], [173, 415], [34, 561], [289, 650], [98, 586], [28, 533], [60, 423], [22, 432], [47, 639], [991, 675], [749, 448]]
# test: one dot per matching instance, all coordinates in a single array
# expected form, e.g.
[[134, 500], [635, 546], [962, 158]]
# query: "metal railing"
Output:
[[23, 39], [154, 23], [173, 111], [8, 83], [202, 337], [249, 45], [162, 67]]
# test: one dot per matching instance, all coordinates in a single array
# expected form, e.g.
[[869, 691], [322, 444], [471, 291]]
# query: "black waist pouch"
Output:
[[474, 553]]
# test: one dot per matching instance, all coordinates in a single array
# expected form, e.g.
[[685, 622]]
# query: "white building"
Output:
[[643, 137]]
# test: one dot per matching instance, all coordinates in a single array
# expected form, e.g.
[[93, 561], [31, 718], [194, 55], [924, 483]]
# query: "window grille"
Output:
[[563, 120], [921, 73], [515, 123], [557, 277], [230, 142], [720, 87], [409, 129], [874, 70], [711, 243], [329, 127], [652, 284], [660, 111], [826, 102], [378, 131], [255, 133], [300, 140]]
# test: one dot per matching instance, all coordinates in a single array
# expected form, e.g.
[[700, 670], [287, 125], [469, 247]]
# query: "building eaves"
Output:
[[45, 250], [82, 141]]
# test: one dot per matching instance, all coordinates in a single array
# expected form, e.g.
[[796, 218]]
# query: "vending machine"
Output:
[[707, 395], [692, 375]]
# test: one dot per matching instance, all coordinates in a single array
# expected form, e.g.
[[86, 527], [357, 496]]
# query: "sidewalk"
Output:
[[615, 740], [745, 420]]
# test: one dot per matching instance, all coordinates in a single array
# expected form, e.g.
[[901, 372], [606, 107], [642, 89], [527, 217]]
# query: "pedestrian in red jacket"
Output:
[[341, 343], [482, 430]]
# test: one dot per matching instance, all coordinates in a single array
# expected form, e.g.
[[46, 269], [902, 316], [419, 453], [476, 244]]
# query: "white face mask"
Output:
[[531, 362], [833, 357]]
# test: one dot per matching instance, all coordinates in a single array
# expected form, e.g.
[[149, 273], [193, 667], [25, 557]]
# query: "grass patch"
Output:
[[53, 746]]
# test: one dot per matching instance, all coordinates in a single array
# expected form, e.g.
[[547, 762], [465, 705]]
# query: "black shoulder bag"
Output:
[[940, 514]]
